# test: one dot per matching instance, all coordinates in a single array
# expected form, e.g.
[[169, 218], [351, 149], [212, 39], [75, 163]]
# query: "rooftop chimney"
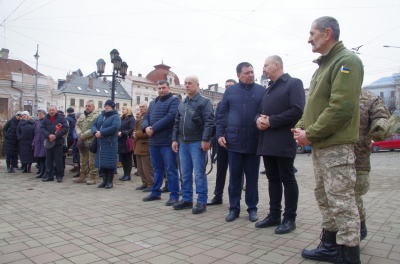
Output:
[[140, 75], [91, 82]]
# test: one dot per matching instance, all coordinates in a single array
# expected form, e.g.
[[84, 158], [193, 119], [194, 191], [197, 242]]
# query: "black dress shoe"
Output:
[[263, 172], [151, 198], [47, 179], [253, 216], [268, 221], [216, 200], [164, 189], [199, 208], [127, 178], [141, 187], [122, 178], [287, 226], [232, 216], [171, 202], [183, 205], [147, 189], [59, 180]]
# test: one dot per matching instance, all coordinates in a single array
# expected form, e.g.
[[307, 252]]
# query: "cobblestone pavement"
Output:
[[76, 223]]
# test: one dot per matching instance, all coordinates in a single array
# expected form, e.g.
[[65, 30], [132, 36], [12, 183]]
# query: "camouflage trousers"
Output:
[[361, 188], [335, 178], [87, 161]]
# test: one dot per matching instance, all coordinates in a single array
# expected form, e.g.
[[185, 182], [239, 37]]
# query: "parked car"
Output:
[[305, 149], [391, 143]]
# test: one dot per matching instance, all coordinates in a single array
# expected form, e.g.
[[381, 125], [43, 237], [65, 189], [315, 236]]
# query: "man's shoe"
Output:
[[216, 200], [263, 172], [327, 249], [90, 182], [147, 189], [171, 202], [141, 187], [348, 255], [122, 177], [151, 198], [164, 189], [47, 179], [232, 216], [79, 180], [127, 178], [59, 180], [287, 226], [199, 208], [39, 176], [137, 173], [268, 221], [253, 216], [183, 205]]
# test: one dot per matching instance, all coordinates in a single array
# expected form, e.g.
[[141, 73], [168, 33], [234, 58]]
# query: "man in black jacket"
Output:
[[281, 108], [193, 127], [222, 161], [54, 128]]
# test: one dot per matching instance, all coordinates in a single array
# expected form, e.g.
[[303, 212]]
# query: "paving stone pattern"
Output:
[[77, 223]]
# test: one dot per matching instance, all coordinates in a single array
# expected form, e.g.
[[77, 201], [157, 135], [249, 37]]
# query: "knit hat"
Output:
[[110, 103], [18, 113], [70, 110], [25, 113], [43, 111]]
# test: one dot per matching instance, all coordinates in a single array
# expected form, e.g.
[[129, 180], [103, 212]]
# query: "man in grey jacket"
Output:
[[193, 127]]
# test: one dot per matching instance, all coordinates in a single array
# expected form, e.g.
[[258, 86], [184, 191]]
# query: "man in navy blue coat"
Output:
[[237, 131], [158, 124], [281, 108]]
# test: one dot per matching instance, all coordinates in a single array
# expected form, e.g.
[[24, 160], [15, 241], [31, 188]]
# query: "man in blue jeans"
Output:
[[193, 127], [158, 124]]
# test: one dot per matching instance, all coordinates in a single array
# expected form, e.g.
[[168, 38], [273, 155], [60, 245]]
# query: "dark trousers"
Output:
[[54, 157], [249, 164], [126, 160], [281, 179], [222, 167]]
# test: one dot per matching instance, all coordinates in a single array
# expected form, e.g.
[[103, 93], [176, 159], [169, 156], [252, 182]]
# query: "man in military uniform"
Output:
[[375, 124], [83, 130], [330, 123]]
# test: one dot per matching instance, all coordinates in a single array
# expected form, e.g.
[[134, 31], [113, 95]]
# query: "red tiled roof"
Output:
[[7, 66]]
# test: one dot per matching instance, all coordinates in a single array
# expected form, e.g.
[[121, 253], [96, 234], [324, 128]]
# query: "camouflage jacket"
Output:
[[375, 124], [84, 124]]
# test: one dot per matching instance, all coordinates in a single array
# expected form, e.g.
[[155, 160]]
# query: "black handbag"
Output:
[[93, 146]]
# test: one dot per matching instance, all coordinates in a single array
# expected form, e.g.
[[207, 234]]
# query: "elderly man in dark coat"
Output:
[[10, 143], [54, 128], [105, 129], [281, 108]]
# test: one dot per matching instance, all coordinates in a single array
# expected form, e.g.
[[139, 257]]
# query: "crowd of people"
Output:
[[172, 134]]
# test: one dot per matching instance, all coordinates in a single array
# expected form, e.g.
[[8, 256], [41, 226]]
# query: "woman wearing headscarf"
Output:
[[125, 133], [25, 132], [39, 151], [105, 129]]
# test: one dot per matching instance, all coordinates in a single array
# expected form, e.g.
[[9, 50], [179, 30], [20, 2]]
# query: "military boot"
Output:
[[327, 249], [348, 255], [92, 180], [81, 179]]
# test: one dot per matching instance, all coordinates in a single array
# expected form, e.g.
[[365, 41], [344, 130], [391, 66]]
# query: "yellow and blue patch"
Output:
[[345, 70]]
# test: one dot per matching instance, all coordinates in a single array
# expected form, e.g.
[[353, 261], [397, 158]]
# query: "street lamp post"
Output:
[[119, 69], [35, 104]]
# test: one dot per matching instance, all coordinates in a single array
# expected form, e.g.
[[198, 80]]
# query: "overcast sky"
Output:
[[207, 38]]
